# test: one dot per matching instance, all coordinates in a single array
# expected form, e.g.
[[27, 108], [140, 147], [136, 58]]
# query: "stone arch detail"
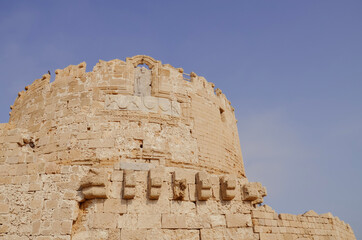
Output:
[[143, 59], [159, 86]]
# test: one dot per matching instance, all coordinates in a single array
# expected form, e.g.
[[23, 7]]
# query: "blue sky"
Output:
[[291, 69]]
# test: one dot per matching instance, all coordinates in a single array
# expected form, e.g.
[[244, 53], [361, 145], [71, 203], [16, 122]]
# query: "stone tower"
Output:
[[130, 152]]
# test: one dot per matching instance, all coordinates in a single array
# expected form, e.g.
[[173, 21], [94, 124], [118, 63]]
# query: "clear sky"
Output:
[[291, 69]]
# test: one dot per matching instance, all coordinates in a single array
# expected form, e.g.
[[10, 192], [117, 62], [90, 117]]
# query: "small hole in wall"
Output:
[[222, 114], [88, 128], [140, 142]]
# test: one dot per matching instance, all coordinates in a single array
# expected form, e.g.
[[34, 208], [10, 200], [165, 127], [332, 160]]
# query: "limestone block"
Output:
[[149, 221], [327, 215], [203, 186], [35, 227], [217, 220], [4, 208], [105, 220], [192, 192], [117, 176], [155, 179], [238, 220], [35, 186], [254, 192], [228, 234], [114, 234], [180, 174], [66, 227], [310, 213], [197, 221], [51, 204], [173, 221], [101, 143], [51, 168], [129, 184], [270, 236], [262, 214], [134, 166], [182, 207], [228, 187], [133, 234], [115, 206], [94, 192], [95, 177], [115, 189], [91, 235]]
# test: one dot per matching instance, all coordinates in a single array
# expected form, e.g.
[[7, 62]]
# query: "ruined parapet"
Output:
[[134, 152], [309, 225], [121, 112]]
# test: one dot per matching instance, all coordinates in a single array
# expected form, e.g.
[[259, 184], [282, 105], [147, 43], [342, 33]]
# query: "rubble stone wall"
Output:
[[125, 152]]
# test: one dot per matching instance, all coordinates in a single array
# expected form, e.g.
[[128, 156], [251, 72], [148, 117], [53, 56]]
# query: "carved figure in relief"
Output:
[[142, 82], [179, 185]]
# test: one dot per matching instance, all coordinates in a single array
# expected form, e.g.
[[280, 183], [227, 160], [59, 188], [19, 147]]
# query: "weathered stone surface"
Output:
[[129, 184], [94, 192], [125, 152], [228, 186], [134, 166], [254, 192], [203, 184], [155, 180], [179, 185]]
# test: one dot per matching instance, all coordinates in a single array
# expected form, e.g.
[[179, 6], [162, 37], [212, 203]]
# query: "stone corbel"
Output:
[[203, 186], [129, 184], [179, 186], [93, 185], [254, 192], [155, 178], [228, 187]]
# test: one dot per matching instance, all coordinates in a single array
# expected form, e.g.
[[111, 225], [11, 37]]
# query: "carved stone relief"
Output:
[[143, 103], [179, 186], [142, 82]]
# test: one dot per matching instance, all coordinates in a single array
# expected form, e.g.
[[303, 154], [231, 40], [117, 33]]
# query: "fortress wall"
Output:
[[309, 225], [80, 118], [84, 157], [42, 200]]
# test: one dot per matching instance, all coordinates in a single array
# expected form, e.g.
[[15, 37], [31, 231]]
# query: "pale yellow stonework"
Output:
[[128, 152]]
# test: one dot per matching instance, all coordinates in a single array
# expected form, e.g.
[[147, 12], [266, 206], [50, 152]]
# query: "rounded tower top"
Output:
[[123, 112]]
